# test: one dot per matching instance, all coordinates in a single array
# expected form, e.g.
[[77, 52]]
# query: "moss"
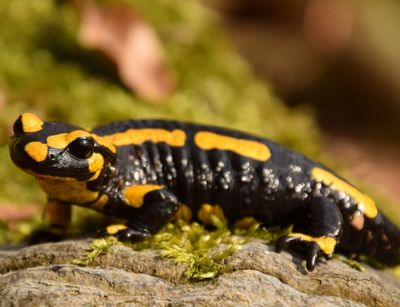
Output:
[[97, 248], [203, 252], [195, 247], [350, 262]]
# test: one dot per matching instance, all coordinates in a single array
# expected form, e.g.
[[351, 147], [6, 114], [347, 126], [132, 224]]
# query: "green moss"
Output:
[[97, 248], [194, 246], [203, 252], [350, 262]]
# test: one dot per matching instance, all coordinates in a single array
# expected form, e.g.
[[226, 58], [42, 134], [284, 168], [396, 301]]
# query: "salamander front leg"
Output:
[[316, 231], [155, 207], [59, 216]]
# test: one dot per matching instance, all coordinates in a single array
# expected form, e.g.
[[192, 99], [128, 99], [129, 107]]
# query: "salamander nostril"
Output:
[[18, 127]]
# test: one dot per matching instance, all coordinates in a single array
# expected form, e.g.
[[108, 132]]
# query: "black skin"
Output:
[[279, 191]]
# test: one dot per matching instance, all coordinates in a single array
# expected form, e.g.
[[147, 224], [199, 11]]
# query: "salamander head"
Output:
[[57, 150]]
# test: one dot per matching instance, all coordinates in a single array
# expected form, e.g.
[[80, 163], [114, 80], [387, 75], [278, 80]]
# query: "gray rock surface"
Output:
[[39, 275]]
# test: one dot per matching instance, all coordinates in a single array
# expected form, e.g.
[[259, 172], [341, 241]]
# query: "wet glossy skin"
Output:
[[148, 171]]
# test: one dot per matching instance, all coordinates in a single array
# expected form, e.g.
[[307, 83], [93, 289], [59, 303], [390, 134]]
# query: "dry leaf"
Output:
[[11, 213], [131, 44], [328, 25]]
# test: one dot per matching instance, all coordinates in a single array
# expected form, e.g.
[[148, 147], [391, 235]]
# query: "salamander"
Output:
[[148, 172]]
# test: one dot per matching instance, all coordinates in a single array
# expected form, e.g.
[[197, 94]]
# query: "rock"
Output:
[[41, 275]]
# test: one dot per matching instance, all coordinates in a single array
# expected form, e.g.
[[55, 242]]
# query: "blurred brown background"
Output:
[[342, 57]]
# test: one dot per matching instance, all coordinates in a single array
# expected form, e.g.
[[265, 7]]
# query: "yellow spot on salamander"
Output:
[[99, 203], [365, 204], [184, 213], [245, 223], [175, 137], [134, 195], [62, 140], [58, 140], [31, 123], [103, 141], [113, 229], [207, 210], [327, 244], [248, 148], [96, 163], [37, 151]]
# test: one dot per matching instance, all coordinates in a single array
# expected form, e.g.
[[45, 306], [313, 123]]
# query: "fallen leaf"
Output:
[[12, 213], [328, 25], [127, 40]]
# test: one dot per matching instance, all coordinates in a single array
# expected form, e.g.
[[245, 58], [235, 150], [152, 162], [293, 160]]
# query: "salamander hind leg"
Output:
[[317, 227], [155, 207]]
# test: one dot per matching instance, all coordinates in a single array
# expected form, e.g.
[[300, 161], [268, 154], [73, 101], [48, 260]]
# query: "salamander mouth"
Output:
[[46, 177], [44, 171]]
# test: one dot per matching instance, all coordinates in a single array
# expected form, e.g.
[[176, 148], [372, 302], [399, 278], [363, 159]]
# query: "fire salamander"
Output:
[[149, 171]]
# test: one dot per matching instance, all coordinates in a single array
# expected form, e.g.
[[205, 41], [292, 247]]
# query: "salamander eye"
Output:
[[82, 148]]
